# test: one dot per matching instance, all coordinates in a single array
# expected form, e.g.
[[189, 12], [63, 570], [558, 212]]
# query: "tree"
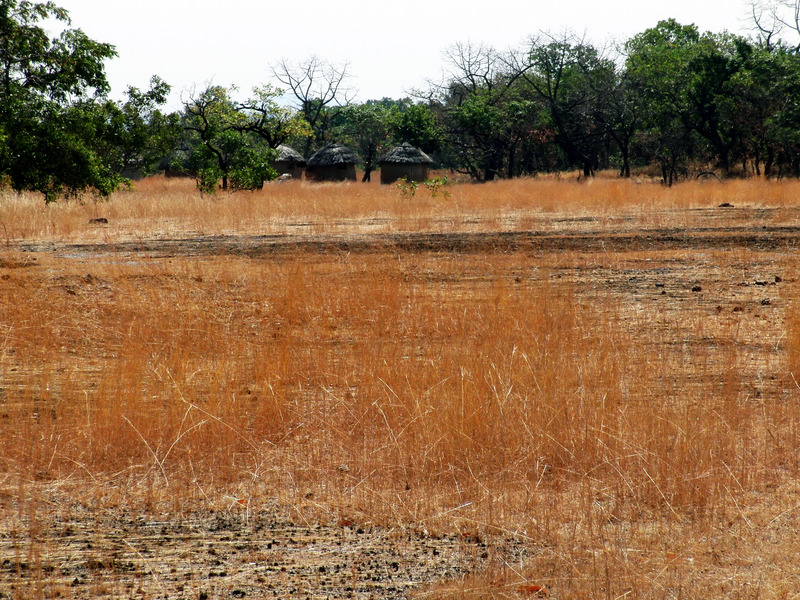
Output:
[[483, 112], [573, 80], [769, 107], [620, 114], [688, 79], [768, 89], [657, 65], [318, 87], [134, 136], [771, 18], [43, 131], [222, 145], [416, 124], [365, 127], [265, 118]]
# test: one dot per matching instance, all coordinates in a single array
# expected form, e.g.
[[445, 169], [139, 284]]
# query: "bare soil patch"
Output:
[[116, 555]]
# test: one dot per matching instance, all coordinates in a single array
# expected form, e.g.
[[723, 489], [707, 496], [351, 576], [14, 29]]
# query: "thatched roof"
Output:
[[332, 154], [405, 154], [289, 155]]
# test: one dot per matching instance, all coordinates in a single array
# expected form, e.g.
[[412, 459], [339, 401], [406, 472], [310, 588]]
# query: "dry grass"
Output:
[[165, 207], [636, 448]]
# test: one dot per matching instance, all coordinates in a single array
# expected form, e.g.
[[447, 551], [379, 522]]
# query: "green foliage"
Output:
[[365, 128], [436, 186], [47, 130], [143, 135], [252, 166], [232, 141], [59, 135], [274, 123], [695, 90], [134, 136], [207, 179], [406, 187], [573, 80], [415, 124], [54, 155]]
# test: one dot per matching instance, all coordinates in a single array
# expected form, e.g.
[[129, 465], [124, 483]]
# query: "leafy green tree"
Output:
[[760, 101], [365, 127], [134, 136], [477, 128], [657, 66], [620, 113], [221, 144], [416, 123], [713, 71], [692, 82], [573, 80], [53, 151], [274, 123], [43, 131]]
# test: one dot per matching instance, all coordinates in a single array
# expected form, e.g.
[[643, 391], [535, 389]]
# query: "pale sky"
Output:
[[391, 47]]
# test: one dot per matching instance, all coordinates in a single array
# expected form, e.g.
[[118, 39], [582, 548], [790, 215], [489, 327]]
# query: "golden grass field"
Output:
[[528, 388]]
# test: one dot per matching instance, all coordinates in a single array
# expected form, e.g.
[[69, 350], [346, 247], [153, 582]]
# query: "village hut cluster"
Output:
[[335, 162]]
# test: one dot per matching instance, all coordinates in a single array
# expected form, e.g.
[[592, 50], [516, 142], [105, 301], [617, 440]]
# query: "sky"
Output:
[[392, 47]]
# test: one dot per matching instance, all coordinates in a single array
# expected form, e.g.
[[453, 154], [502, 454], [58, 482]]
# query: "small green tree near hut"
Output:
[[139, 135], [417, 125], [222, 145], [366, 128]]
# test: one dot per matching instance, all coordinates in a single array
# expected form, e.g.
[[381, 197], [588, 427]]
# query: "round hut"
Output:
[[289, 161], [333, 162], [404, 161]]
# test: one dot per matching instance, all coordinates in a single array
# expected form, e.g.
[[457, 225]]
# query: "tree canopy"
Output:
[[59, 134]]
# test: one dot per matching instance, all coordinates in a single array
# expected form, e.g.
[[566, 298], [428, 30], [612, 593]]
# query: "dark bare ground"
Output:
[[111, 555], [764, 238]]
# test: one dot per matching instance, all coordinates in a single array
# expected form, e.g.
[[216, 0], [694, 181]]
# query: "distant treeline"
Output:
[[670, 99]]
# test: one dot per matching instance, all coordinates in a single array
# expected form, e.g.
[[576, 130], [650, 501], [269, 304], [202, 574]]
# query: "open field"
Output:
[[334, 391]]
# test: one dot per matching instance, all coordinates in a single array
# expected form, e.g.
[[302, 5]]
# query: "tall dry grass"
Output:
[[159, 207], [485, 394]]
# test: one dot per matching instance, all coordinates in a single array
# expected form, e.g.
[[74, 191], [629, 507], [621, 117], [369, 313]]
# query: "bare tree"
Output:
[[771, 18], [317, 86], [474, 67]]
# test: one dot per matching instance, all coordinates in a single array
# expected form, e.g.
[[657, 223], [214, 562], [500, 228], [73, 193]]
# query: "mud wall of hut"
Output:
[[292, 168], [340, 172], [391, 172]]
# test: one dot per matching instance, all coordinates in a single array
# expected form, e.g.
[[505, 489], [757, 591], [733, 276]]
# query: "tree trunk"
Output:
[[768, 162], [724, 161], [625, 170]]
